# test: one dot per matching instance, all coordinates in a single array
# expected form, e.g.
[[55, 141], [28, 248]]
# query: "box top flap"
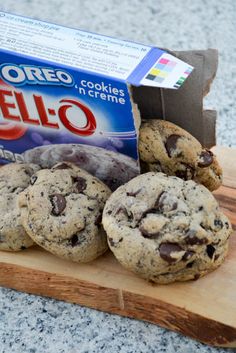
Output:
[[122, 60]]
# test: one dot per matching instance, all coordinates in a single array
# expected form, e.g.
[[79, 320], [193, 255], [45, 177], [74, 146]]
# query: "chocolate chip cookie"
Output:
[[62, 210], [166, 229], [113, 168], [165, 147], [14, 178]]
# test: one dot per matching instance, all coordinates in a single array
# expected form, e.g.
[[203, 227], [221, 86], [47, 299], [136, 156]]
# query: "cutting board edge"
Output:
[[117, 301]]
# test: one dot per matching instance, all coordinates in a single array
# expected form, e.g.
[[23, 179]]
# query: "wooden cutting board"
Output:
[[204, 309]]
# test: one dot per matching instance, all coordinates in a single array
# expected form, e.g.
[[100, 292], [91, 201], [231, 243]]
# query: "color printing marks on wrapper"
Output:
[[168, 71]]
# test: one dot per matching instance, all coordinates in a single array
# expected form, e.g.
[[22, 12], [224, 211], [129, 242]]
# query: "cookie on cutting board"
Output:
[[165, 147], [62, 209], [166, 229], [14, 178]]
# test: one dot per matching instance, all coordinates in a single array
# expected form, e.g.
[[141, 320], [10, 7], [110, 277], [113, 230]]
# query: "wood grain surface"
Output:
[[204, 309]]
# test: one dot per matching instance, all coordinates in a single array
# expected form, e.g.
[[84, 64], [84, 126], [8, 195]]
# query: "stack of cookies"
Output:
[[168, 227], [164, 225]]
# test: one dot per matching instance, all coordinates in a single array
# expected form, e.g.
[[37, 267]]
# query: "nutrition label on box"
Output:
[[88, 51]]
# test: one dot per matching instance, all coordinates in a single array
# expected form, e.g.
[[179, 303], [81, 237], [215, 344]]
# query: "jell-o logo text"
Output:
[[15, 106]]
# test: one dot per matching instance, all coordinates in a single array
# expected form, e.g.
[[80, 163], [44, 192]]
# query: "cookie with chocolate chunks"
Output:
[[165, 147], [62, 209], [166, 229], [14, 178]]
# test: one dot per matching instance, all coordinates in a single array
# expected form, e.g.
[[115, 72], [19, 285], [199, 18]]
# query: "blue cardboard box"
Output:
[[65, 95]]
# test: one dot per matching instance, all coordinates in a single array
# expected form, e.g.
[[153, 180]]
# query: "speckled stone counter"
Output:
[[30, 324]]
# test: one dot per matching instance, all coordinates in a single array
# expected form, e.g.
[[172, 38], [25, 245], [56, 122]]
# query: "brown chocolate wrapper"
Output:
[[184, 106]]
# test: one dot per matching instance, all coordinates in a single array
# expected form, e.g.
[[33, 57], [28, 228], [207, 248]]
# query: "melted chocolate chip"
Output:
[[203, 226], [217, 257], [171, 144], [190, 264], [135, 193], [28, 172], [147, 234], [160, 203], [227, 225], [216, 242], [174, 206], [200, 208], [192, 239], [187, 173], [196, 277], [98, 220], [62, 166], [114, 243], [111, 242], [166, 249], [119, 210], [139, 264], [188, 254], [196, 241], [33, 179], [149, 210], [218, 223], [22, 247], [81, 184], [210, 251], [122, 210], [58, 202], [77, 239], [206, 159], [74, 240]]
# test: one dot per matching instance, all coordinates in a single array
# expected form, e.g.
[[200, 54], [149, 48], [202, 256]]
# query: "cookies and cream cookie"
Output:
[[61, 211], [166, 229], [14, 178], [165, 147]]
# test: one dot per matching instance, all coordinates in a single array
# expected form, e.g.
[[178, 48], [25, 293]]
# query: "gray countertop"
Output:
[[30, 324]]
